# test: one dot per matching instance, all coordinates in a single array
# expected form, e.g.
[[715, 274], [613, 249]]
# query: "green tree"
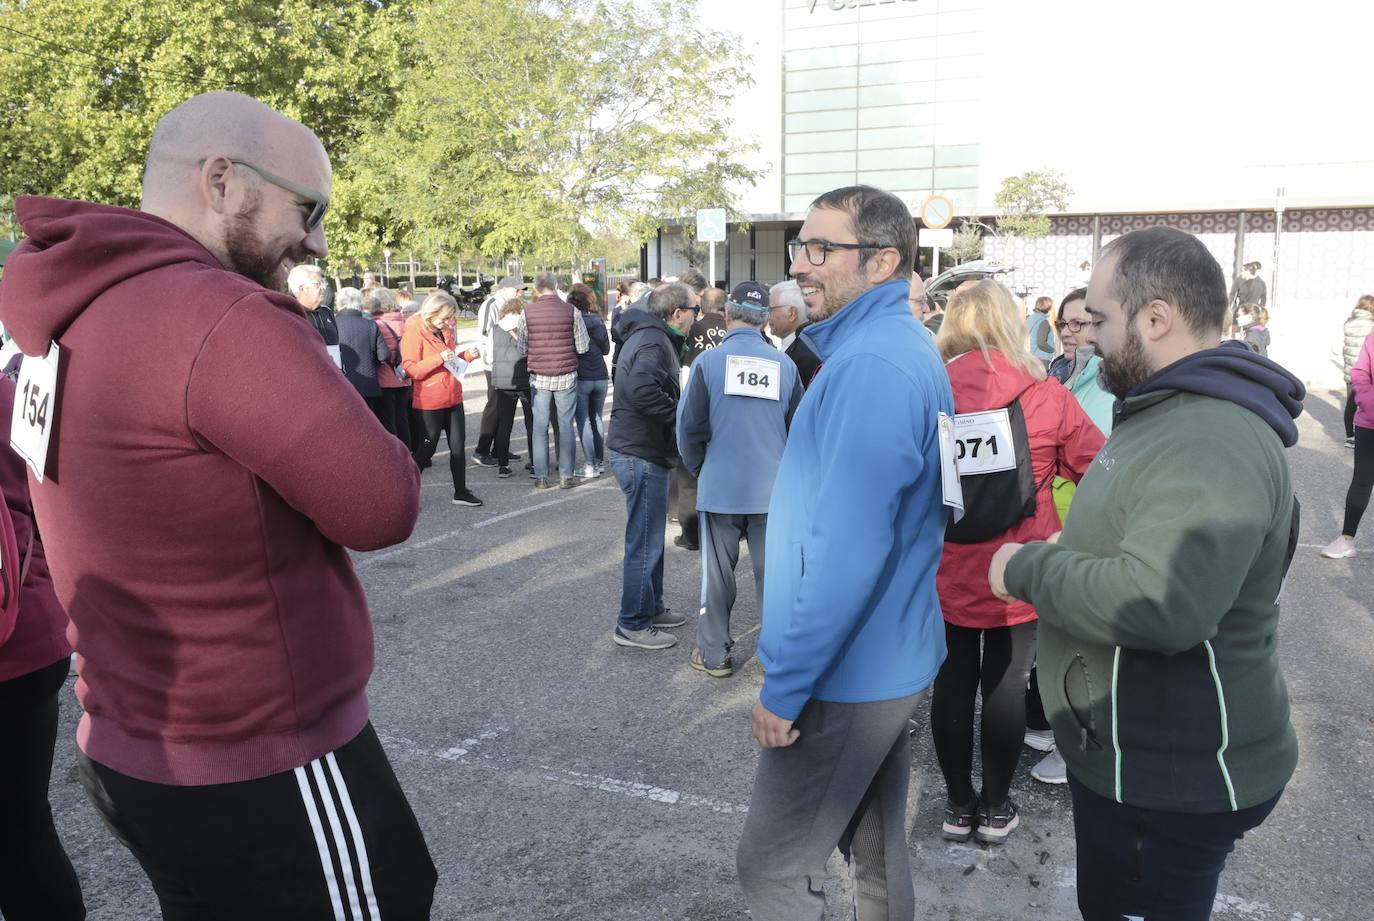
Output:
[[1023, 200], [85, 81], [531, 126]]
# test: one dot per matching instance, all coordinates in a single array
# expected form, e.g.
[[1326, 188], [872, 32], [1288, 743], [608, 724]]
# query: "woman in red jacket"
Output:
[[991, 643], [428, 355]]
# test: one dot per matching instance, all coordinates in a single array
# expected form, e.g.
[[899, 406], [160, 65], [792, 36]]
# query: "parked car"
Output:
[[939, 288]]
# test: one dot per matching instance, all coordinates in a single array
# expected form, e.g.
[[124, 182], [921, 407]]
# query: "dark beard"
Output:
[[1126, 368], [246, 254]]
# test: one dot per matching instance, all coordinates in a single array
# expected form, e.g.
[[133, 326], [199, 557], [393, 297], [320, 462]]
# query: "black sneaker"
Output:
[[503, 472], [514, 456], [486, 460], [529, 468], [464, 497], [959, 820], [685, 544], [995, 823]]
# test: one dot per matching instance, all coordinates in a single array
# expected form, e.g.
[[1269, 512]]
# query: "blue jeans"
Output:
[[566, 403], [645, 486], [591, 398]]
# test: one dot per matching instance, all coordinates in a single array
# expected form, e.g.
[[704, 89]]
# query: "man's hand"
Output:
[[771, 730], [997, 572]]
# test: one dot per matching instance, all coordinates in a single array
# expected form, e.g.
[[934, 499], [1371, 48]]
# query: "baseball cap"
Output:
[[750, 295]]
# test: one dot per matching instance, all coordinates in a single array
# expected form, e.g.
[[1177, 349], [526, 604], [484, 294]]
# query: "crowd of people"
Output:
[[1085, 516]]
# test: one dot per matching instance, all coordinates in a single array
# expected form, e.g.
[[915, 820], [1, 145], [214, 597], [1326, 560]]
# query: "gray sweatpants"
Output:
[[721, 533], [842, 783]]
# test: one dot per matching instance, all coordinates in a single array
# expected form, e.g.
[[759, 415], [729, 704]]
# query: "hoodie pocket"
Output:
[[1078, 694]]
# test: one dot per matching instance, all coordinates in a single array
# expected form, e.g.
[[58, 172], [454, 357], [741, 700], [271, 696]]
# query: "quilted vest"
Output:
[[549, 322]]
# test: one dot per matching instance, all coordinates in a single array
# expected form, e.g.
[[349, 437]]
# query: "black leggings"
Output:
[[452, 422], [505, 402], [1361, 482], [998, 659], [1350, 407], [36, 877]]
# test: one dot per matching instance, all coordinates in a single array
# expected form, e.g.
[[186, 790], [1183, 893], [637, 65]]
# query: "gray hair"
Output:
[[377, 301], [752, 314], [348, 299], [789, 295], [639, 289], [302, 275], [693, 279], [1172, 266], [546, 281], [666, 298]]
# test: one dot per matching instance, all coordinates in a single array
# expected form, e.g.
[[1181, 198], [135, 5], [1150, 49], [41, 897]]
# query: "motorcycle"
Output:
[[467, 297]]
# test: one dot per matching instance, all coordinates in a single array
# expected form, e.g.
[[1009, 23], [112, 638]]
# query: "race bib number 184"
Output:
[[753, 377], [35, 410]]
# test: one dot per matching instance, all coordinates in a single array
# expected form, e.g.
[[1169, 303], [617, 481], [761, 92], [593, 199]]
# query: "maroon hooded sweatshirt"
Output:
[[201, 488]]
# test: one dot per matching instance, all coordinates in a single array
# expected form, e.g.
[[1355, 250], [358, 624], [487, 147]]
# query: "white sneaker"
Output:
[[589, 472], [1339, 549], [1051, 769], [1042, 740]]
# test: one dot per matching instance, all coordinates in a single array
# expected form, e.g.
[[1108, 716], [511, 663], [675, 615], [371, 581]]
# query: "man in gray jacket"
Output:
[[732, 427]]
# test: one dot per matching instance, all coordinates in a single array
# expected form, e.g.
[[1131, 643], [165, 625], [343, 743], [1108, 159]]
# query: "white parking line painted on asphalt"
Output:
[[440, 538], [640, 791]]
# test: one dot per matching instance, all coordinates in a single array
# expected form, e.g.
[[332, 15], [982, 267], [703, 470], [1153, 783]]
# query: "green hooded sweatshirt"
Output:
[[1158, 657]]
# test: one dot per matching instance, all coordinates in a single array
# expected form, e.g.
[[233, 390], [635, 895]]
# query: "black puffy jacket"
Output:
[[644, 410]]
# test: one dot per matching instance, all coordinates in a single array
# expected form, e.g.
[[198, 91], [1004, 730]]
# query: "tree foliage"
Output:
[[1023, 200], [968, 243], [457, 128]]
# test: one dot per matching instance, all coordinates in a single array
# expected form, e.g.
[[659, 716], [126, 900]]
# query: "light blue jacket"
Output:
[[1096, 402], [857, 521], [732, 444]]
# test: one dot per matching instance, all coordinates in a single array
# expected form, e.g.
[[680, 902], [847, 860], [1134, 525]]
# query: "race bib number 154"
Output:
[[35, 410]]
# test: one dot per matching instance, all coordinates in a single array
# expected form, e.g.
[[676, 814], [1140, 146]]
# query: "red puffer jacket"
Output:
[[1063, 441]]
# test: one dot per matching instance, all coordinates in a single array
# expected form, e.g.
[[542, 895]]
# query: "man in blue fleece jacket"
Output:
[[852, 630]]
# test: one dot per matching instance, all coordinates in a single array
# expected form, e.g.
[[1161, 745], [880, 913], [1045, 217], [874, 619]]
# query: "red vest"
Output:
[[549, 323]]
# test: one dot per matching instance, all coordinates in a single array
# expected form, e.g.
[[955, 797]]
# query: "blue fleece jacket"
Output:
[[732, 443], [857, 524]]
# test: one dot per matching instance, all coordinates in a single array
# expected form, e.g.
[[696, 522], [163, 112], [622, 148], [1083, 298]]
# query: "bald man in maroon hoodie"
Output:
[[223, 641]]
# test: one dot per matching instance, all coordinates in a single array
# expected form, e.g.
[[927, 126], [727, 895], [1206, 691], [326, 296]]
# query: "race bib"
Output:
[[35, 410], [952, 491], [983, 442], [753, 377], [457, 366], [336, 353]]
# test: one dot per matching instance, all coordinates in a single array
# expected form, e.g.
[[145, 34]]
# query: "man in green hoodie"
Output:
[[1159, 605]]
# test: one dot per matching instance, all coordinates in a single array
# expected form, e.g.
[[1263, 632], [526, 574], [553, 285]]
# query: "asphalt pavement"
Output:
[[559, 776]]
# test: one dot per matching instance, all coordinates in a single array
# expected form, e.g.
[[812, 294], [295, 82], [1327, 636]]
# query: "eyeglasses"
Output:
[[816, 250], [1073, 326], [321, 202], [921, 299]]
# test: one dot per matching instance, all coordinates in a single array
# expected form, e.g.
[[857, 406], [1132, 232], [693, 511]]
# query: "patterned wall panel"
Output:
[[1048, 265]]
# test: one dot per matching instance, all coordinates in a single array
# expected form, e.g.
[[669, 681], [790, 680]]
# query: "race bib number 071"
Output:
[[753, 377], [35, 410], [983, 442]]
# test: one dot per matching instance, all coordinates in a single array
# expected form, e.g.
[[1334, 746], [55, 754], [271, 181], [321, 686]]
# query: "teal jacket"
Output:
[[856, 524], [1159, 605], [1096, 402]]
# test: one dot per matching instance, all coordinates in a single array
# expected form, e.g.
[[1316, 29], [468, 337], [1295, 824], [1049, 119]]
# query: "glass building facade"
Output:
[[883, 92]]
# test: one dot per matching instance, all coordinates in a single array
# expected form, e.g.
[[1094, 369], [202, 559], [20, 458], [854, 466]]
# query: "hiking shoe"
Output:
[[486, 460], [724, 670], [567, 483], [666, 618], [503, 472], [1339, 549], [959, 820], [648, 638], [1042, 740], [1051, 769], [685, 544], [541, 482], [995, 823], [465, 497]]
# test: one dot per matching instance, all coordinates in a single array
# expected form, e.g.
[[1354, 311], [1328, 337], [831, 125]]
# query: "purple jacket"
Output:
[[40, 633], [1362, 382]]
